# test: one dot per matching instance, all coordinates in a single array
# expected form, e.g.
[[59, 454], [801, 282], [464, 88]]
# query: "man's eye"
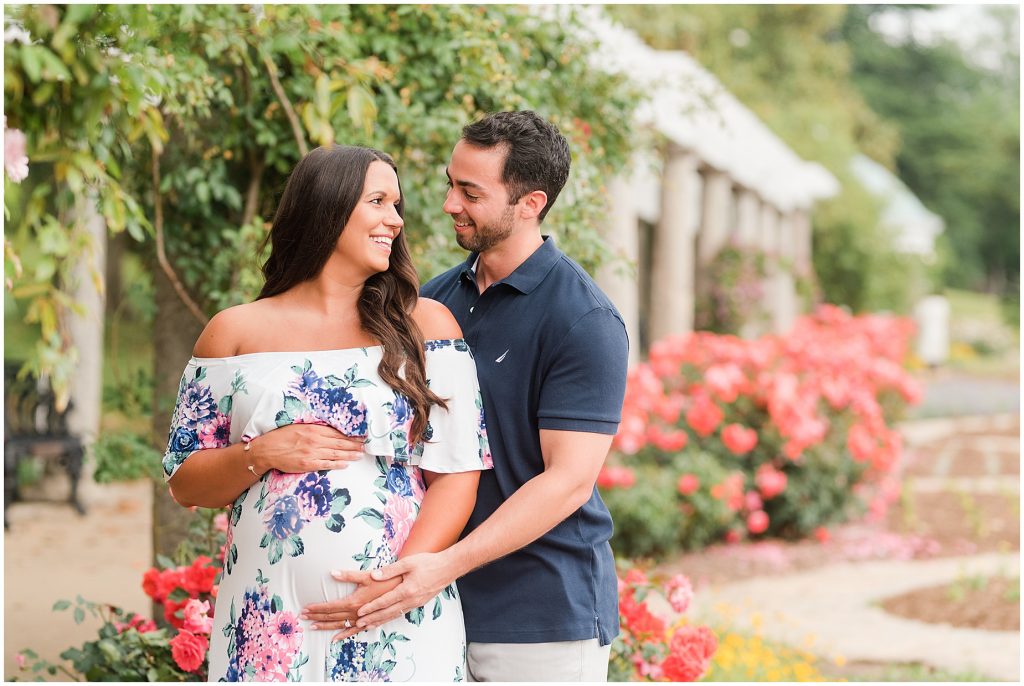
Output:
[[471, 197]]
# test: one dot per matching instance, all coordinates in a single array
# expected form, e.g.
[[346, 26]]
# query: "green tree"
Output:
[[960, 140], [241, 92]]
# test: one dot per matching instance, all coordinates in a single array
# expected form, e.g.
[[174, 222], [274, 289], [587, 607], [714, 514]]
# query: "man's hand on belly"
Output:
[[342, 613]]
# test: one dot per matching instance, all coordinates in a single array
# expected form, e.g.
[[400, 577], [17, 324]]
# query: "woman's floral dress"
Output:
[[288, 532]]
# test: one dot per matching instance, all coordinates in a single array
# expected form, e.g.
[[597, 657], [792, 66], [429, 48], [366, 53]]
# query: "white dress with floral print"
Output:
[[288, 532]]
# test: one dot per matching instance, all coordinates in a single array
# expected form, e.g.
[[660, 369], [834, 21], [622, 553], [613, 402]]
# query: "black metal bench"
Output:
[[33, 428]]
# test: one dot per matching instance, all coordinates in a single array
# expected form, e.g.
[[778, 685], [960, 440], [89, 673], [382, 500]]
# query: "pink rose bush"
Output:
[[652, 648], [777, 436]]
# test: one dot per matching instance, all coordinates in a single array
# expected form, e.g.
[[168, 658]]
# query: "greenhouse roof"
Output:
[[691, 108], [912, 225]]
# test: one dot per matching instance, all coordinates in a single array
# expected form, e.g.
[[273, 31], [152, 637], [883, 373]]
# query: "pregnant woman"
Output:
[[341, 416]]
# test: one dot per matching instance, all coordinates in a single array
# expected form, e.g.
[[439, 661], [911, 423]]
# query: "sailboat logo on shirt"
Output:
[[502, 357]]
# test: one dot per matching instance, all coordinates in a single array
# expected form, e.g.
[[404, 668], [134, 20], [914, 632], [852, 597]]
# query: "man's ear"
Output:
[[532, 204]]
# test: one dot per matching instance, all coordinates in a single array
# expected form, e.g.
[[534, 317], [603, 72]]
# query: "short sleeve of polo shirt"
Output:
[[586, 380]]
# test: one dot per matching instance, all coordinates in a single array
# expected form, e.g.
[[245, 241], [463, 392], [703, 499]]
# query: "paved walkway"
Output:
[[838, 604]]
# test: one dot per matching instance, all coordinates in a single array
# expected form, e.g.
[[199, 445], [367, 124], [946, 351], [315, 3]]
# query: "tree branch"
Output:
[[257, 164], [161, 255], [300, 139]]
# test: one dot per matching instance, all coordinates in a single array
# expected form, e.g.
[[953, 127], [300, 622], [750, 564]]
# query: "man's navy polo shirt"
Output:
[[551, 353]]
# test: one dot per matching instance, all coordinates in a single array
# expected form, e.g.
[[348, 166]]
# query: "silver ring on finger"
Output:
[[348, 624]]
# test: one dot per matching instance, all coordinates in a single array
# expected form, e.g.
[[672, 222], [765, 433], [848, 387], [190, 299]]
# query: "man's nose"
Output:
[[451, 204]]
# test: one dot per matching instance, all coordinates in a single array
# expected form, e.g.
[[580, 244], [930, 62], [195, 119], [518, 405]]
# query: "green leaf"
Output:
[[372, 517], [79, 615], [437, 609], [415, 616], [165, 562], [362, 108], [61, 605]]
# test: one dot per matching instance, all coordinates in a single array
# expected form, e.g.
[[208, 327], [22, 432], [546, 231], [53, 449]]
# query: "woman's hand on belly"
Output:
[[341, 613], [301, 448]]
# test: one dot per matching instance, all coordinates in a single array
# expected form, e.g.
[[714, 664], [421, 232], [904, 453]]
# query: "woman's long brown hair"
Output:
[[317, 202]]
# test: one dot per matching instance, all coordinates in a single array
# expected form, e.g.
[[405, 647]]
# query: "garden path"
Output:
[[974, 462], [51, 553]]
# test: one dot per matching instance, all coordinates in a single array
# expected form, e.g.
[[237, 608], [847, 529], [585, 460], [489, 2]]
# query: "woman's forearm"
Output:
[[215, 477], [443, 514]]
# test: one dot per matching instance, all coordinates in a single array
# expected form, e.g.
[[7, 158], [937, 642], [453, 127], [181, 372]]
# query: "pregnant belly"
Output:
[[295, 529]]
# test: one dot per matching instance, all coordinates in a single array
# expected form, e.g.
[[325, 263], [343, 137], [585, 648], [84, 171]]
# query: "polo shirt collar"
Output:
[[529, 274]]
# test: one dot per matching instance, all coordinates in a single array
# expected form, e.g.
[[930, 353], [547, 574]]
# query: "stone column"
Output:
[[672, 268], [86, 331], [714, 228], [748, 217], [786, 310], [802, 241], [618, 279]]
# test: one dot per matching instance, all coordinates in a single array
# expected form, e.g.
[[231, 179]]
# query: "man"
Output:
[[534, 568]]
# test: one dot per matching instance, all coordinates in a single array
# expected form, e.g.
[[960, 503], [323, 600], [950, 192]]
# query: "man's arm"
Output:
[[572, 460]]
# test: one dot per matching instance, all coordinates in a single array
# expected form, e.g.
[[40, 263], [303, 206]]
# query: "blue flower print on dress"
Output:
[[398, 481], [354, 660], [266, 640], [200, 421], [312, 398], [284, 518], [184, 440], [288, 502], [314, 493]]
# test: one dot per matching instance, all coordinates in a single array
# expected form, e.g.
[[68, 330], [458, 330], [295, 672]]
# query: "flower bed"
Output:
[[725, 438]]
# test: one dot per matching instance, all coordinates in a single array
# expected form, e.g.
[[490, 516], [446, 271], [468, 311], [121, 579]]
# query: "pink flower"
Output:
[[215, 433], [20, 659], [399, 517], [15, 157], [220, 521], [279, 483], [197, 617], [688, 484], [757, 522], [679, 591], [770, 481], [690, 653], [616, 477], [861, 443], [189, 651], [822, 534], [725, 381], [732, 536], [739, 439], [752, 501], [285, 632], [636, 577], [704, 415]]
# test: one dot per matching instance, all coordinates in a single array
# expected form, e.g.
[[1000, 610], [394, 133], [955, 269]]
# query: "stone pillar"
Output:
[[618, 279], [787, 308], [672, 268], [748, 217], [86, 331], [802, 241], [714, 228]]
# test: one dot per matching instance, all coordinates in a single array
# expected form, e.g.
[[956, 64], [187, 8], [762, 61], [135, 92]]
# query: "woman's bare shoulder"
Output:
[[435, 320], [228, 328]]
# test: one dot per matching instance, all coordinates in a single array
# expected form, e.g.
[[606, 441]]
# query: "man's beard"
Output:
[[487, 236]]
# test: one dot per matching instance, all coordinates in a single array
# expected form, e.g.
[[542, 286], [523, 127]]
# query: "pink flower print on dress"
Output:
[[216, 433], [280, 483], [399, 517], [285, 632]]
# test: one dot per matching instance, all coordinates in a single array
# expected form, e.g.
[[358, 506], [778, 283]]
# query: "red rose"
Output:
[[739, 439], [688, 484], [704, 415], [189, 650], [151, 583], [171, 607], [690, 651], [757, 522], [199, 577]]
